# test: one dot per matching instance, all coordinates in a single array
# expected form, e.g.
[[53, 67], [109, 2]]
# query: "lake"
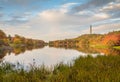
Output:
[[50, 56]]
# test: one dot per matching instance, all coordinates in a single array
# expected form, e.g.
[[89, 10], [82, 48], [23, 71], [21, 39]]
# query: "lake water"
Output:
[[49, 56]]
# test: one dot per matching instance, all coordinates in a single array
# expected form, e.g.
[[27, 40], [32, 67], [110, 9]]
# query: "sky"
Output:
[[58, 19]]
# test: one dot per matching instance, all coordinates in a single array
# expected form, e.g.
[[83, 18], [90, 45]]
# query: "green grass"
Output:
[[84, 69], [117, 47], [99, 46]]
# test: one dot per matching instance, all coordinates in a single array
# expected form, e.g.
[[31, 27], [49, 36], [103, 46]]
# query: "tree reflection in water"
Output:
[[17, 50], [91, 50], [83, 48]]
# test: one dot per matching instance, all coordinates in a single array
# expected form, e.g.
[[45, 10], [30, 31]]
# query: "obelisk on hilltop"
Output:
[[90, 29]]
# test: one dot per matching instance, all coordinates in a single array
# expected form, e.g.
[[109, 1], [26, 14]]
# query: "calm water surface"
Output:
[[48, 56]]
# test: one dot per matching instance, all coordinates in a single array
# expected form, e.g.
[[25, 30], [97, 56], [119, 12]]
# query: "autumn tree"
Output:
[[29, 42], [3, 38], [2, 35], [19, 40]]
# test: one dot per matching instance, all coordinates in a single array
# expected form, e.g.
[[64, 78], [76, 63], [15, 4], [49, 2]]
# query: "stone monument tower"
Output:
[[90, 29]]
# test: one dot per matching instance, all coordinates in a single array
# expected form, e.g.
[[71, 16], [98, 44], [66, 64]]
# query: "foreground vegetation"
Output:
[[84, 69]]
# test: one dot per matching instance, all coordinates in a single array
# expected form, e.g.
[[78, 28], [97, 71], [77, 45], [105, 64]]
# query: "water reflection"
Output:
[[91, 50], [50, 55], [47, 56], [84, 49], [17, 50]]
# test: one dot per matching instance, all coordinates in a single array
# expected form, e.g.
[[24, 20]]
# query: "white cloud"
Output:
[[110, 6], [102, 15], [85, 12], [66, 6], [51, 15]]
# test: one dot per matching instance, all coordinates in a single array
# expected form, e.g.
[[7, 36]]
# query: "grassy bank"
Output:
[[117, 47], [99, 46], [85, 69]]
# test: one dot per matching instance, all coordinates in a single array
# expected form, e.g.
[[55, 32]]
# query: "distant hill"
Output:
[[94, 40]]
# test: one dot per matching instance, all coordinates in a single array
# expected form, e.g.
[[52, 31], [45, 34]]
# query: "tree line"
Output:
[[18, 41]]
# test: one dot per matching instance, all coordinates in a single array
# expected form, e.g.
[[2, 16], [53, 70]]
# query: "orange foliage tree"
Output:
[[112, 39]]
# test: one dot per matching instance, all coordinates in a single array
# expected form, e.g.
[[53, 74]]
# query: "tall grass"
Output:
[[84, 69]]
